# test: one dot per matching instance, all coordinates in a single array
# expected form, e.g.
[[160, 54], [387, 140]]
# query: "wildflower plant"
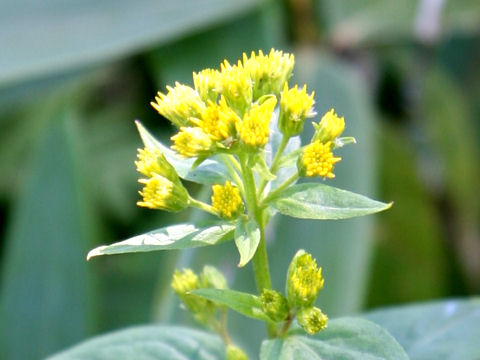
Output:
[[238, 133]]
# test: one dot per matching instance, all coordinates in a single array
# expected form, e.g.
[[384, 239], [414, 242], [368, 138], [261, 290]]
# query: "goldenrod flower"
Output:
[[191, 142], [254, 129], [152, 161], [185, 281], [268, 72], [295, 106], [304, 280], [312, 320], [317, 160], [274, 305], [161, 193], [329, 128], [236, 86], [226, 200], [217, 121], [179, 104], [206, 83]]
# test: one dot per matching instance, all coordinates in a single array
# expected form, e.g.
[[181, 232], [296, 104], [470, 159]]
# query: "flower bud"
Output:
[[206, 84], [317, 160], [191, 142], [304, 280], [163, 194], [236, 86], [235, 353], [274, 305], [329, 128], [295, 106], [254, 129], [268, 72], [312, 320], [226, 200], [179, 104], [152, 161]]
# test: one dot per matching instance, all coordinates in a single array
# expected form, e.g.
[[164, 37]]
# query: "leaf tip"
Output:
[[95, 252]]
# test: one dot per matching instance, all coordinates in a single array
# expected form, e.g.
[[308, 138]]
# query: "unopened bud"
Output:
[[312, 320], [274, 305]]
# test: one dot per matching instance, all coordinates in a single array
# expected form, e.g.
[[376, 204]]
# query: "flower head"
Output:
[[295, 106], [268, 72], [317, 160], [179, 104], [312, 320], [274, 305], [206, 83], [304, 280], [254, 129], [235, 84], [152, 161], [217, 121], [233, 352], [191, 142], [226, 200], [329, 128], [161, 193]]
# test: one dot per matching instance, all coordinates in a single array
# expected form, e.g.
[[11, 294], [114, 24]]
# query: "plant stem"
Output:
[[282, 187], [202, 206], [275, 162], [231, 163], [260, 259]]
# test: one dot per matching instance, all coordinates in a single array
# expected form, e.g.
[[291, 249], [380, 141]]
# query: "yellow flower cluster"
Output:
[[304, 280], [295, 106], [162, 187], [226, 200], [312, 320], [228, 109], [317, 158]]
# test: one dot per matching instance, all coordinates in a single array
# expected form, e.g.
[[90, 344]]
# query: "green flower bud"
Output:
[[274, 305], [235, 353], [312, 320], [304, 280], [163, 194]]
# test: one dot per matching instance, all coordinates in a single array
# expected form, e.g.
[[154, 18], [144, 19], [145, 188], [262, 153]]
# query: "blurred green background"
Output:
[[75, 74]]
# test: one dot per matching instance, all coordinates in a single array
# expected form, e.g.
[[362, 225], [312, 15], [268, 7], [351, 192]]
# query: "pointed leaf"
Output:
[[247, 238], [344, 338], [149, 342], [244, 303], [208, 172], [173, 237], [318, 201]]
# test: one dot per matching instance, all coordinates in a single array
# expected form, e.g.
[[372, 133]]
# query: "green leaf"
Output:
[[173, 237], [244, 303], [344, 338], [45, 297], [318, 201], [149, 342], [247, 238], [447, 330], [208, 172]]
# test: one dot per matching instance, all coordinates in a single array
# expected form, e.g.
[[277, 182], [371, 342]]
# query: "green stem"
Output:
[[202, 206], [275, 162], [231, 163], [260, 259], [282, 187]]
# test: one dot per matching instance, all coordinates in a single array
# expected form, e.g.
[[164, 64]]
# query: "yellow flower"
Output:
[[254, 129], [206, 83], [304, 280], [185, 281], [152, 161], [179, 104], [268, 72], [312, 320], [217, 121], [295, 106], [317, 160], [236, 86], [226, 200], [191, 142], [161, 193], [329, 128]]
